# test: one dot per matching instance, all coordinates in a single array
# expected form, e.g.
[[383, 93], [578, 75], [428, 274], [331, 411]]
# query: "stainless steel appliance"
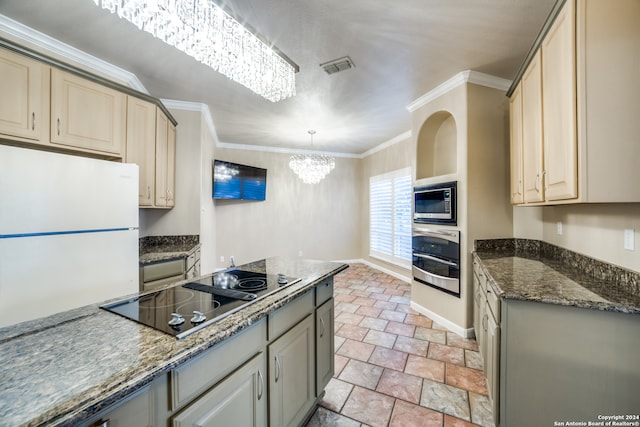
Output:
[[436, 259], [183, 309], [435, 204]]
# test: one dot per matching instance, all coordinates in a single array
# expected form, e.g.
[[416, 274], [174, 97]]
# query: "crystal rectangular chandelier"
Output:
[[204, 31]]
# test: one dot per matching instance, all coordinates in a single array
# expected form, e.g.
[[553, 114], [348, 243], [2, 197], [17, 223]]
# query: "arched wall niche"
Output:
[[437, 150]]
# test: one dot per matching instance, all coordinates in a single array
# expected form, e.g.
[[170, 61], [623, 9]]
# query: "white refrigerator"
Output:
[[68, 232]]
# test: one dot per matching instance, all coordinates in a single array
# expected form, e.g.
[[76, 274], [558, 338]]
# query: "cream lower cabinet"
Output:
[[291, 375], [139, 409], [239, 400], [86, 115], [24, 104], [586, 66]]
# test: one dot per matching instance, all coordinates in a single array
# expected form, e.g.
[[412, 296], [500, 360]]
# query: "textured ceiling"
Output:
[[401, 50]]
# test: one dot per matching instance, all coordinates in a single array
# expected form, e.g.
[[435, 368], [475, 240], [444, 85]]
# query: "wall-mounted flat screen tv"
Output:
[[240, 182]]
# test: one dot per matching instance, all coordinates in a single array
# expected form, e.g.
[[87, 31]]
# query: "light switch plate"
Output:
[[559, 227], [629, 239]]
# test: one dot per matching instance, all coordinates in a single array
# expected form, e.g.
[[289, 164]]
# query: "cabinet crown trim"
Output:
[[468, 76]]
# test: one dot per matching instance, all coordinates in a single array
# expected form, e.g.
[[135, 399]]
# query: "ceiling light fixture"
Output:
[[207, 33], [311, 168]]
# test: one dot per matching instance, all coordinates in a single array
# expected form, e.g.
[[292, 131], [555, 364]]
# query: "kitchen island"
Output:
[[557, 331], [76, 367]]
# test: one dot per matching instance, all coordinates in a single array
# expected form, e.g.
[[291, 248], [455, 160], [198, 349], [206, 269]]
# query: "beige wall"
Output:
[[595, 230], [319, 221]]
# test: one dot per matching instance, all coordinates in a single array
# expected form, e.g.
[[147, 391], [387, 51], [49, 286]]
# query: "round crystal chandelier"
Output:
[[311, 168]]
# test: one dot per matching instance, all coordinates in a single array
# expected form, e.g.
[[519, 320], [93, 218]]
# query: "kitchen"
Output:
[[340, 201]]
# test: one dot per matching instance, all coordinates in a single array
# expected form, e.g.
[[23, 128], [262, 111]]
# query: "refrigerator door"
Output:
[[68, 232]]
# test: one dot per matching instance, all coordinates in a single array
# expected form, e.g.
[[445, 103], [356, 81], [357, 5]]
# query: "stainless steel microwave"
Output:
[[435, 204]]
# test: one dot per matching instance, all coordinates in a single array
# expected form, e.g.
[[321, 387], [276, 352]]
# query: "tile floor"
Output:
[[394, 366]]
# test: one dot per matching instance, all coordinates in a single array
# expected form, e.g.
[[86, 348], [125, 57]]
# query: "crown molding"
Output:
[[459, 79], [402, 137], [22, 34], [203, 109]]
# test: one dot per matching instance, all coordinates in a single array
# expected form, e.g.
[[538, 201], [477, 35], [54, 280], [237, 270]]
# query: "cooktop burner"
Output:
[[183, 309]]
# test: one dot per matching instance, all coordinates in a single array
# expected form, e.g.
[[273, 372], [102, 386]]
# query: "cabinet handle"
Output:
[[277, 369], [321, 327], [485, 322], [33, 121], [544, 181], [58, 126], [148, 192], [537, 186], [260, 385]]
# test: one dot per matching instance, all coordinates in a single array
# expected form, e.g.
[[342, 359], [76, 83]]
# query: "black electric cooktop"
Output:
[[183, 309]]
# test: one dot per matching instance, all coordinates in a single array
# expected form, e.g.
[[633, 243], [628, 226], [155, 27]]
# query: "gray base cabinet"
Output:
[[291, 375], [567, 364], [239, 400], [486, 323], [324, 346]]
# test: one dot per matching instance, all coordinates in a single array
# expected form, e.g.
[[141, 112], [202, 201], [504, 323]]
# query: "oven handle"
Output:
[[451, 279], [436, 259], [452, 236]]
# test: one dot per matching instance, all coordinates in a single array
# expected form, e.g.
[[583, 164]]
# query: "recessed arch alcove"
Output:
[[437, 151]]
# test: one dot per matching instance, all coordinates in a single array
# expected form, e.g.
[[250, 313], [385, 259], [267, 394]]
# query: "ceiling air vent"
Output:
[[338, 65]]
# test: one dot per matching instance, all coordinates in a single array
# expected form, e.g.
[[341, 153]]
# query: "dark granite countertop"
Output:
[[64, 368], [537, 271], [153, 249]]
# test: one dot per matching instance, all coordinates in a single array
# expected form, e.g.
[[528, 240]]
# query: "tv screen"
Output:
[[241, 182]]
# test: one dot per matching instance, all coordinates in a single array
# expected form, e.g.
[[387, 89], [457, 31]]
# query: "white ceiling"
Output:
[[402, 49]]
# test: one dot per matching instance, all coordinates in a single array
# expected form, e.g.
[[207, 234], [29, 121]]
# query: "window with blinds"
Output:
[[390, 217]]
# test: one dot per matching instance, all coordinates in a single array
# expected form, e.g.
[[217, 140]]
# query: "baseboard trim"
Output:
[[463, 332]]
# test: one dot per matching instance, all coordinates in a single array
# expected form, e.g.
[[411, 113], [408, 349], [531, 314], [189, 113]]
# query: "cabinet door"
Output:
[[87, 115], [239, 400], [291, 375], [532, 131], [492, 363], [161, 159], [171, 164], [478, 302], [24, 104], [141, 148], [559, 107], [324, 346], [515, 112]]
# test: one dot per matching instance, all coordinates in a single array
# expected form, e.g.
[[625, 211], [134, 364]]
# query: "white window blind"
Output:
[[390, 217]]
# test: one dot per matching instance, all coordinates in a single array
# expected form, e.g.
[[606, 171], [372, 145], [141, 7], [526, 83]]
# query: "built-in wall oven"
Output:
[[436, 259]]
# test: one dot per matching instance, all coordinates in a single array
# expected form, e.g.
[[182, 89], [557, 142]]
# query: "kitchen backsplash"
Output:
[[536, 248]]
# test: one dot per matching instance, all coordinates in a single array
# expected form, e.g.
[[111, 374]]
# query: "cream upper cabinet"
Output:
[[588, 64], [532, 147], [24, 104], [87, 115], [559, 107], [161, 159], [171, 165], [141, 146], [515, 111]]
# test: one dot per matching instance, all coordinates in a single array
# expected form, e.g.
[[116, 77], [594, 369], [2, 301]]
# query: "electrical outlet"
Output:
[[629, 239], [300, 252], [221, 258], [559, 227]]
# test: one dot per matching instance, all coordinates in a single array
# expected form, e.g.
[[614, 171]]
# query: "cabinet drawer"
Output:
[[288, 316], [324, 291], [162, 270], [148, 286], [196, 376], [133, 410]]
